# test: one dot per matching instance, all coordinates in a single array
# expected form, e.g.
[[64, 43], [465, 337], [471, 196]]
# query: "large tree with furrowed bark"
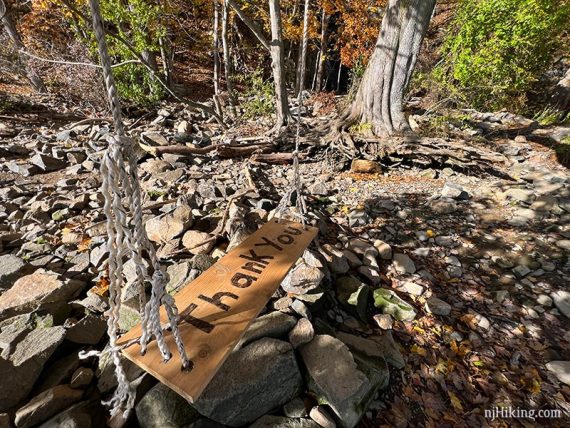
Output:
[[379, 99]]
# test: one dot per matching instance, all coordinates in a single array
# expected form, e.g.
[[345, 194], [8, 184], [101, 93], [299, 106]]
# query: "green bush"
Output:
[[259, 95], [496, 50], [140, 23]]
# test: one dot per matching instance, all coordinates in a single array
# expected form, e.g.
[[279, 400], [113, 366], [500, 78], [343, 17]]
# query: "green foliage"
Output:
[[496, 50], [259, 95], [563, 151], [140, 23]]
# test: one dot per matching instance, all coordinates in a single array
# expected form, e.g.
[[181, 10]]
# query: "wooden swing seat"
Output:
[[217, 308]]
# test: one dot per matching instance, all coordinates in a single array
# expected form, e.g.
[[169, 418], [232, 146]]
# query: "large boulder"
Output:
[[340, 379], [25, 364], [275, 324], [11, 268], [253, 381]]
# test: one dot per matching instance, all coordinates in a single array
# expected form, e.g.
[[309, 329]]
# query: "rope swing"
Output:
[[127, 239]]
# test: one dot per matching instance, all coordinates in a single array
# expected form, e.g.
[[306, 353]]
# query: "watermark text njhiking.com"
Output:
[[517, 413]]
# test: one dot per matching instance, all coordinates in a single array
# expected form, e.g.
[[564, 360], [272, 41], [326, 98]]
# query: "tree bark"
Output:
[[323, 51], [379, 99], [277, 64], [12, 32], [216, 55], [301, 66], [228, 74]]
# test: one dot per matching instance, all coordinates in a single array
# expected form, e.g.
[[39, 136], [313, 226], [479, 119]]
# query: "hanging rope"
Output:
[[127, 239]]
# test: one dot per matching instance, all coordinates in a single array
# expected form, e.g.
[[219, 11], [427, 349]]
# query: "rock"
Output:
[[454, 191], [47, 404], [521, 195], [384, 250], [47, 163], [300, 308], [363, 166], [560, 369], [445, 241], [270, 421], [161, 407], [85, 414], [443, 206], [35, 291], [501, 296], [563, 244], [11, 268], [346, 385], [544, 300], [561, 300], [178, 276], [359, 299], [192, 238], [26, 363], [321, 417], [265, 369], [389, 302], [437, 306], [295, 408], [5, 421], [370, 273], [58, 372], [319, 188], [381, 346], [521, 271], [411, 288], [302, 333], [98, 255], [87, 331], [303, 278], [165, 228], [358, 217], [81, 377], [335, 258], [384, 321], [276, 324], [106, 379], [403, 264], [12, 331]]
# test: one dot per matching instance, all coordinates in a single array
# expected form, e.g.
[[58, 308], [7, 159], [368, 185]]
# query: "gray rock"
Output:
[[98, 255], [59, 372], [302, 333], [276, 324], [335, 258], [445, 241], [106, 371], [370, 273], [358, 217], [26, 363], [89, 330], [437, 306], [167, 227], [178, 276], [270, 421], [338, 380], [380, 346], [85, 414], [521, 195], [320, 415], [384, 321], [266, 370], [295, 408], [411, 288], [319, 188], [561, 370], [561, 300], [47, 404], [81, 377], [521, 271], [47, 163], [403, 264], [11, 268], [303, 278], [384, 250], [37, 290], [563, 244], [161, 407], [454, 191], [443, 206]]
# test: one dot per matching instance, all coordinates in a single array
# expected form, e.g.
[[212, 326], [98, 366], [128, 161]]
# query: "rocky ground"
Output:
[[430, 294]]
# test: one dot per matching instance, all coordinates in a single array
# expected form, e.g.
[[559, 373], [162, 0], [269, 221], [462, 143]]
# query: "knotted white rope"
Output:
[[127, 239]]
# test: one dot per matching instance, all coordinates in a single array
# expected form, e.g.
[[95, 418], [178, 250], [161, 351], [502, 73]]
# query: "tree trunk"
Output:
[[277, 64], [301, 65], [379, 99], [216, 55], [10, 28], [250, 24], [323, 51], [227, 60]]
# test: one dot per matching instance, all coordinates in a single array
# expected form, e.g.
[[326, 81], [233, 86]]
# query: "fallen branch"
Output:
[[275, 158], [222, 150]]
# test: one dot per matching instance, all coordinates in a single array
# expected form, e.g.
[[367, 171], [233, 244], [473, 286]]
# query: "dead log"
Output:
[[222, 150]]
